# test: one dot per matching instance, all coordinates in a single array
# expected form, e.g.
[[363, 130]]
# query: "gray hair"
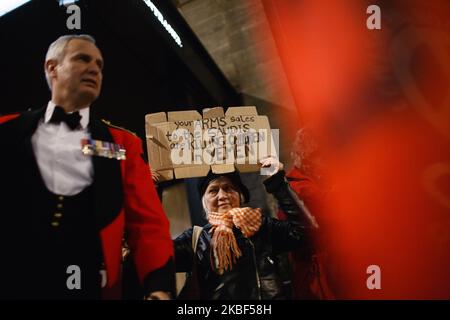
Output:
[[205, 209], [57, 50], [304, 146]]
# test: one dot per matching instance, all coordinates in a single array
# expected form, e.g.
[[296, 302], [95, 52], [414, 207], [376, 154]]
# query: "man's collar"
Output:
[[84, 113]]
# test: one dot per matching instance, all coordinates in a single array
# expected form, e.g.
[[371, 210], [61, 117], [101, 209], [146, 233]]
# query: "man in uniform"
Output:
[[72, 187]]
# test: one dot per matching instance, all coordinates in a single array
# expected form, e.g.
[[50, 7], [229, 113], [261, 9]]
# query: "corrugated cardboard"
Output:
[[163, 145]]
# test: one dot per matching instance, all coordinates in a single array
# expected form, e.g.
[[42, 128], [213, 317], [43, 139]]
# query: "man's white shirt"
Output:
[[64, 168]]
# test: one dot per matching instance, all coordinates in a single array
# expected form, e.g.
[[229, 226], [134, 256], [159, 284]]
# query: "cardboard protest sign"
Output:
[[186, 144]]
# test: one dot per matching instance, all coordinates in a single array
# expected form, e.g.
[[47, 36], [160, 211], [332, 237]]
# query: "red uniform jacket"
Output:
[[309, 278], [125, 199]]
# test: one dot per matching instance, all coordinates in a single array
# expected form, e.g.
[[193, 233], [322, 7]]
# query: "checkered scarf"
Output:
[[223, 243]]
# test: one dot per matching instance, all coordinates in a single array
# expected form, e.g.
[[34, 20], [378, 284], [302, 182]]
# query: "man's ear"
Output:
[[50, 67]]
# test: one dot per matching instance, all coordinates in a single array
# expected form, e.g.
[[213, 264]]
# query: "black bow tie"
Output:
[[71, 119]]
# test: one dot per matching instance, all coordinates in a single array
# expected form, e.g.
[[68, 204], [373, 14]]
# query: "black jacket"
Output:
[[254, 274]]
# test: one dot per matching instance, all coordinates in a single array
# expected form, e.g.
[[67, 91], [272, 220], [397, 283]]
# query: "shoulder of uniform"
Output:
[[9, 116], [109, 124]]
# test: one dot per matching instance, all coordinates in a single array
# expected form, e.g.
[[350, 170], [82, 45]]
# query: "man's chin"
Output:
[[89, 96]]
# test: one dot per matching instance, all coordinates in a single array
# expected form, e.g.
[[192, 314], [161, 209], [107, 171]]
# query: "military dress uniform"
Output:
[[46, 228]]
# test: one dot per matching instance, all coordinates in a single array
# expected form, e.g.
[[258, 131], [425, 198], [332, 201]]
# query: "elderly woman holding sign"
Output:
[[232, 256]]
